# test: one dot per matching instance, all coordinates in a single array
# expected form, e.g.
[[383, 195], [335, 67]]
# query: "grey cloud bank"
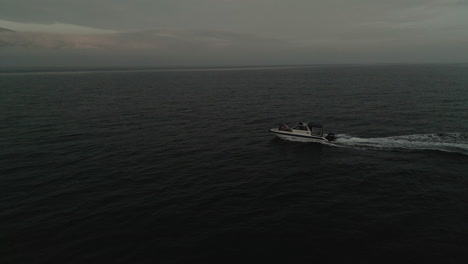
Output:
[[223, 32]]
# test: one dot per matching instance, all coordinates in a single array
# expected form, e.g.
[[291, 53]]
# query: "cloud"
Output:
[[142, 40], [291, 19], [55, 41], [5, 30], [53, 28], [272, 31], [213, 48]]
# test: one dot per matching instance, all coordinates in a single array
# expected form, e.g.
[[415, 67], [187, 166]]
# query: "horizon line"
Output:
[[7, 70]]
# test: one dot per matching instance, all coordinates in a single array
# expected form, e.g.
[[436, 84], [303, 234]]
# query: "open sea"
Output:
[[178, 166]]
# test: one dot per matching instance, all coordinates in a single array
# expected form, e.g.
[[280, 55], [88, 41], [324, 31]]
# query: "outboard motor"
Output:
[[330, 136]]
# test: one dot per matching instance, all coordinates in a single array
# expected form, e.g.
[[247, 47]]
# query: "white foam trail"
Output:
[[452, 142]]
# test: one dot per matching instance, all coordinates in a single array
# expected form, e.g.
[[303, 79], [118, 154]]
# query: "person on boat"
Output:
[[284, 127]]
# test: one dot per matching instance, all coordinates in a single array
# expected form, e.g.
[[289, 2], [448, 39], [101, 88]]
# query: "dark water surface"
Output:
[[178, 166]]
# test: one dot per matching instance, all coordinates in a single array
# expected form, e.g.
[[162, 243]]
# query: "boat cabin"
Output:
[[314, 129]]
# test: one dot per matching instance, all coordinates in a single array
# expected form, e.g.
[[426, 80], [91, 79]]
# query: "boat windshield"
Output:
[[299, 127]]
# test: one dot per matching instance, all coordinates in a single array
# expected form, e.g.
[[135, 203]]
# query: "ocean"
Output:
[[178, 166]]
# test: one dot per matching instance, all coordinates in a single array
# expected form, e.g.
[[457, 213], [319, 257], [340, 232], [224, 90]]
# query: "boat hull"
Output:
[[296, 137]]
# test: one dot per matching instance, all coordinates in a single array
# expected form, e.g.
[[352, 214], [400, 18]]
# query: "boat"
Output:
[[304, 132]]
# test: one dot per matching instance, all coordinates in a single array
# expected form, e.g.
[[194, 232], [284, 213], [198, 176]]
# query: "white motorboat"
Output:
[[304, 132]]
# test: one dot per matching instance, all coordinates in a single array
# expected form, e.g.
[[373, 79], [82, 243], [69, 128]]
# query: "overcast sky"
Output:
[[321, 31]]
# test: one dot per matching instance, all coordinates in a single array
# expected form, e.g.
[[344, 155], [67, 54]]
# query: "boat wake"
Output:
[[450, 142]]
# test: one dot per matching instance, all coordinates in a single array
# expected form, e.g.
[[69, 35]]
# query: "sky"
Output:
[[232, 32]]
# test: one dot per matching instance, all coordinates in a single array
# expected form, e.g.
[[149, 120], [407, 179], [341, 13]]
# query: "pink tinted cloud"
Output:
[[72, 41]]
